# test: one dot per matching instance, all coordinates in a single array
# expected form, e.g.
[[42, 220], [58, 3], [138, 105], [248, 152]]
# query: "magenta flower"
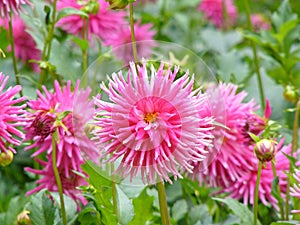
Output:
[[151, 126], [103, 24], [214, 12], [11, 6], [25, 46], [259, 22], [11, 116], [75, 110], [228, 152], [121, 42]]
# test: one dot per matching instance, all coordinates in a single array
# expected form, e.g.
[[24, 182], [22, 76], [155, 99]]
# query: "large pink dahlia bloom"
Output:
[[228, 150], [213, 11], [104, 24], [11, 6], [121, 42], [25, 46], [11, 116], [152, 125], [74, 110]]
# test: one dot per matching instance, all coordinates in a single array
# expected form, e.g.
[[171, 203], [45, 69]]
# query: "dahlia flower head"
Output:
[[11, 6], [25, 46], [103, 24], [259, 22], [11, 116], [122, 42], [151, 127], [233, 167], [214, 12], [65, 112]]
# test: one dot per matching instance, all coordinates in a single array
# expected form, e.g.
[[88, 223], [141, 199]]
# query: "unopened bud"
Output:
[[23, 218], [265, 150], [290, 93], [118, 4], [91, 7], [6, 158]]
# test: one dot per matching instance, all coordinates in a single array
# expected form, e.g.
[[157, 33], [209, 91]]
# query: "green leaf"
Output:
[[70, 206], [199, 215], [83, 44], [70, 11], [15, 206], [285, 223], [42, 210], [239, 209], [89, 215], [179, 209], [142, 209], [125, 207]]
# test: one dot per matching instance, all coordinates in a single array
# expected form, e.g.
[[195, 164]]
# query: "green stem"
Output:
[[280, 203], [58, 181], [256, 62], [256, 193], [12, 43], [48, 42], [163, 204], [134, 49], [114, 194], [85, 50], [295, 140]]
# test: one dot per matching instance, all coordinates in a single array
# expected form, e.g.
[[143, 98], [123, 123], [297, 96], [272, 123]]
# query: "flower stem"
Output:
[[163, 204], [280, 203], [256, 193], [48, 42], [255, 56], [295, 139], [134, 49], [114, 193], [12, 43], [58, 181], [85, 34]]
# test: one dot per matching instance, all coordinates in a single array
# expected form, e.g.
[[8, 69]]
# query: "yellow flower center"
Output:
[[150, 117]]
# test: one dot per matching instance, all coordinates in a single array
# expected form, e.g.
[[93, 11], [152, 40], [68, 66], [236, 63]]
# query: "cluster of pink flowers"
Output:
[[25, 46], [219, 12], [234, 168], [64, 112], [111, 27]]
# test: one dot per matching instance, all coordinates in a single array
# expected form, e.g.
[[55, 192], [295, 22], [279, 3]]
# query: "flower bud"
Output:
[[290, 93], [118, 4], [92, 7], [6, 158], [23, 218], [265, 150]]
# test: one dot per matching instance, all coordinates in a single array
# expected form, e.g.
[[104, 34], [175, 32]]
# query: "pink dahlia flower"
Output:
[[121, 42], [213, 11], [259, 22], [151, 126], [25, 47], [8, 6], [73, 110], [243, 188], [228, 150], [103, 24], [11, 116]]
